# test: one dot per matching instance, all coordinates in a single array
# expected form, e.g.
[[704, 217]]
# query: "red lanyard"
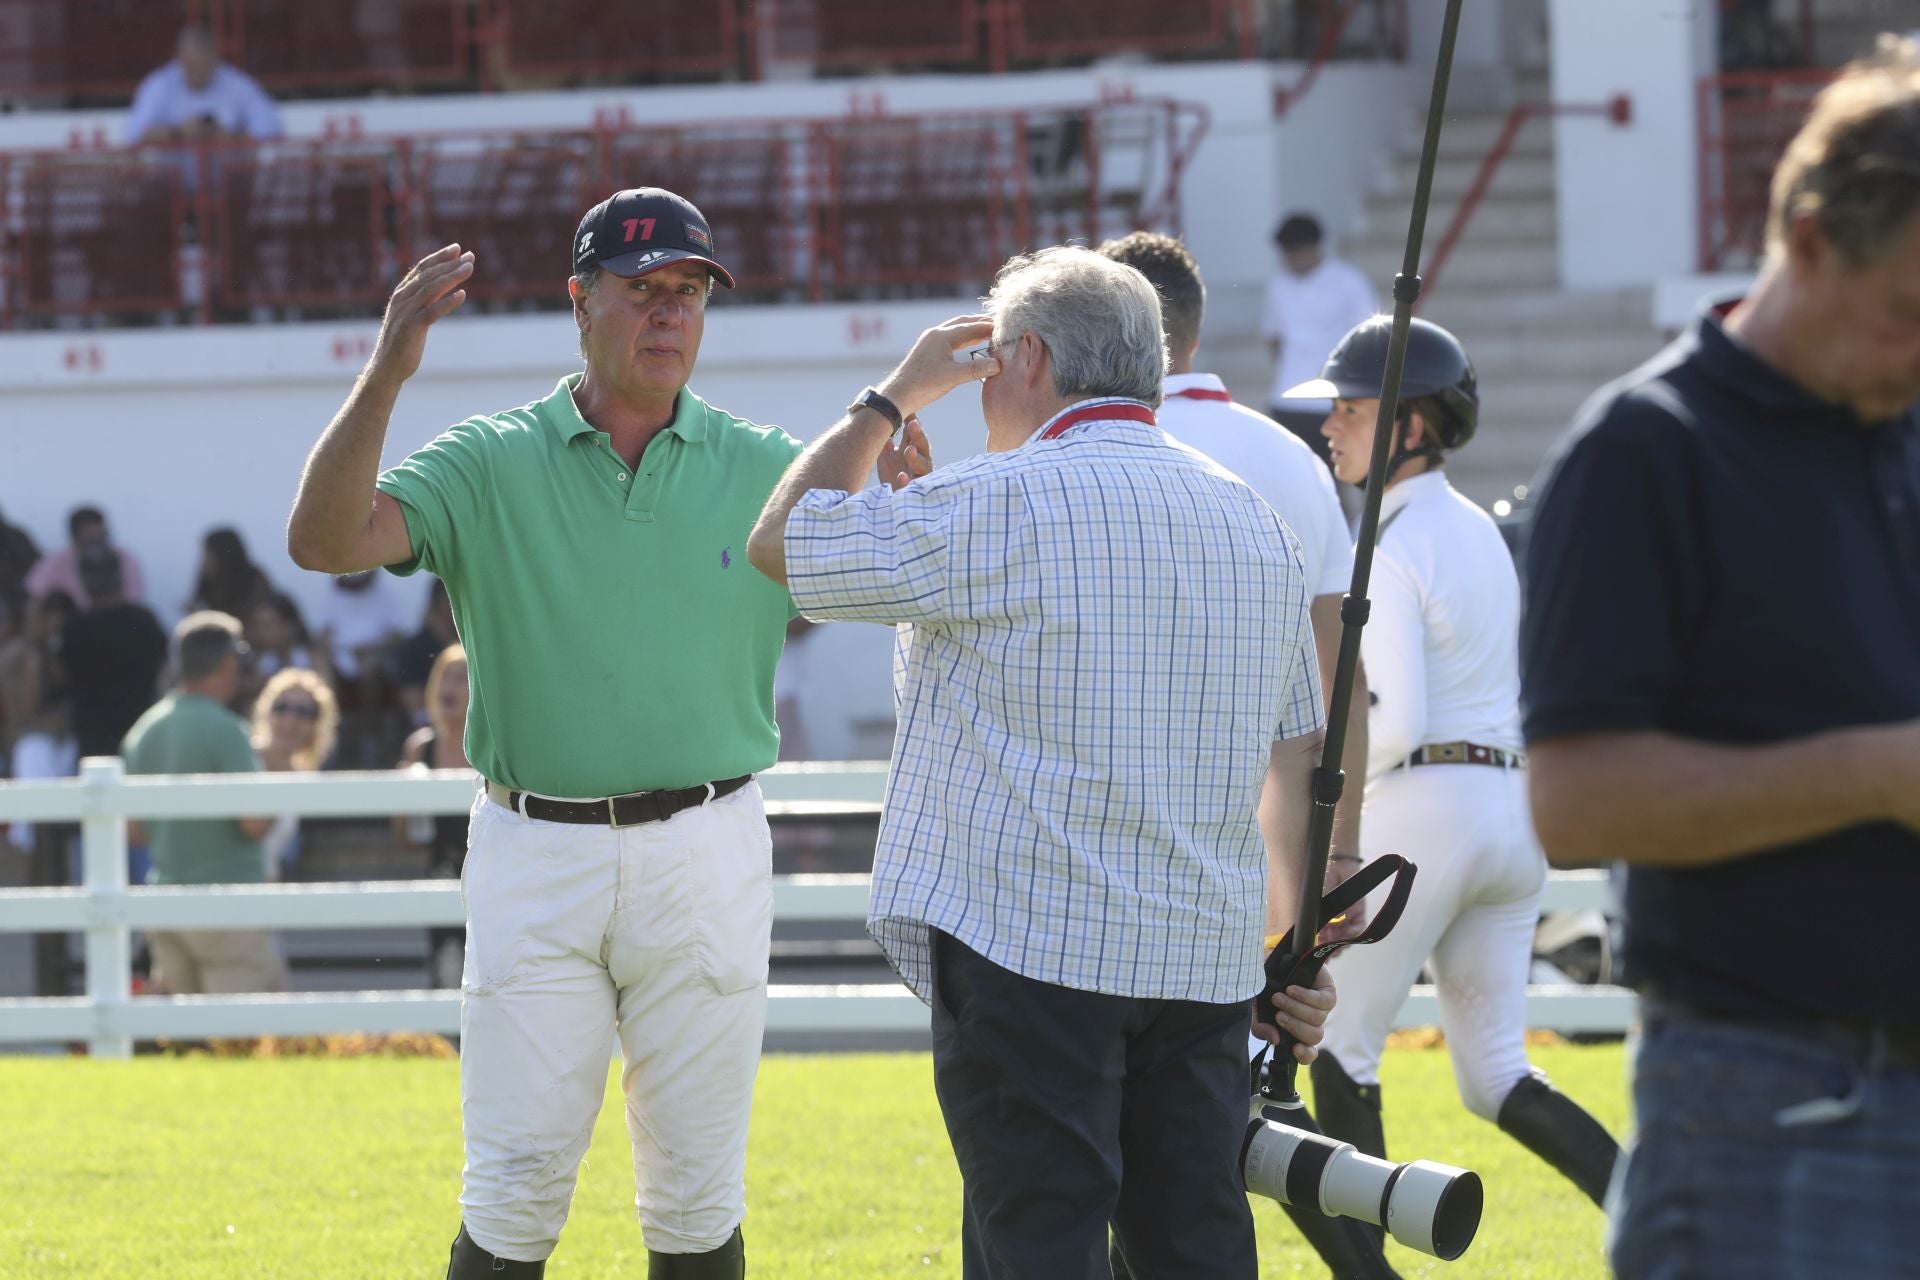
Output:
[[1117, 411], [1201, 393]]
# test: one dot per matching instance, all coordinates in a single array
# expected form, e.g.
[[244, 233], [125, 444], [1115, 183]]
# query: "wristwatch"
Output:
[[872, 399]]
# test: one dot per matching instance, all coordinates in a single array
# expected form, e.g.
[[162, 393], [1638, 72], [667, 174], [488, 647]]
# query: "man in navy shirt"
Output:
[[1721, 677]]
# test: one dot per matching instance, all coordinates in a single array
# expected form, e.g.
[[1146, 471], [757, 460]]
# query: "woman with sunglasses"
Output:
[[295, 722]]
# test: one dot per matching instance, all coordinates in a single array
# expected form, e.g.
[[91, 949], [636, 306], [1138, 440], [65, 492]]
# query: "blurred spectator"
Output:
[[18, 554], [113, 654], [413, 661], [295, 722], [198, 96], [361, 619], [441, 745], [1311, 303], [277, 636], [31, 674], [59, 569], [191, 731], [229, 581], [36, 717]]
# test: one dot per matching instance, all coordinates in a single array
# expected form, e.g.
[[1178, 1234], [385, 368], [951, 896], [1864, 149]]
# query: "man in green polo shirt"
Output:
[[191, 731], [622, 653]]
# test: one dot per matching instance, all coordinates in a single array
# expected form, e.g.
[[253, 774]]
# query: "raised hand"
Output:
[[432, 290], [903, 463], [930, 370]]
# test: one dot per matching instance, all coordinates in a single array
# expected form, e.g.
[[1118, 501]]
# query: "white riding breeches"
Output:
[[1471, 918], [577, 935]]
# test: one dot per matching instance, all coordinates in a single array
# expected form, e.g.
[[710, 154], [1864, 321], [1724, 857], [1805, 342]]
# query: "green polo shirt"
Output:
[[190, 733], [617, 637]]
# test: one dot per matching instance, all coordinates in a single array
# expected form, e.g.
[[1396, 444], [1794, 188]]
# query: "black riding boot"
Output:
[[469, 1261], [728, 1262], [1349, 1112], [1559, 1131]]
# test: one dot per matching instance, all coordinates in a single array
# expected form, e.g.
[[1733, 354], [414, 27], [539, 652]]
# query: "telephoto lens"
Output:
[[1423, 1204]]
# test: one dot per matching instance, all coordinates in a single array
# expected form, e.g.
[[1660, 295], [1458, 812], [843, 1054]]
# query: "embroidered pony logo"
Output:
[[726, 560]]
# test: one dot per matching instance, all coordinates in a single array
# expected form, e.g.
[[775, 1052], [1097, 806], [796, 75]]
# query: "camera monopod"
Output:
[[1426, 1205]]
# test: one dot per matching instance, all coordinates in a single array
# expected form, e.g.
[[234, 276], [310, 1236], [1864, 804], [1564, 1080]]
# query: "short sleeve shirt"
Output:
[[1108, 634], [617, 638], [1719, 555], [189, 733]]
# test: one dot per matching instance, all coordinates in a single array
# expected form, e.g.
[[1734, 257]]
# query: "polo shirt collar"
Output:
[[563, 414], [1741, 373]]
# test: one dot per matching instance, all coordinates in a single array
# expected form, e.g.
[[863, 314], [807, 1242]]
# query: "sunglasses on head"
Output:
[[304, 710]]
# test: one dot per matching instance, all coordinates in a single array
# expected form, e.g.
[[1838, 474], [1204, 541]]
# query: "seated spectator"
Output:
[[441, 745], [198, 96], [59, 569], [277, 639], [229, 581], [45, 748], [361, 619], [113, 654], [295, 721], [413, 660], [32, 676], [18, 554], [192, 731]]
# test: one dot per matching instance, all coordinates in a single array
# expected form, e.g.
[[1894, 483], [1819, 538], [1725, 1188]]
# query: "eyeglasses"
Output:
[[304, 710], [987, 352]]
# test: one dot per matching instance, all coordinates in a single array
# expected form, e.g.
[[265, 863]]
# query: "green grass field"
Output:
[[321, 1169]]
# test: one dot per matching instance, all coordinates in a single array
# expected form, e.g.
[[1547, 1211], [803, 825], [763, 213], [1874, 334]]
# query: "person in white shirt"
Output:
[[1108, 654], [1446, 780], [198, 96], [1311, 302]]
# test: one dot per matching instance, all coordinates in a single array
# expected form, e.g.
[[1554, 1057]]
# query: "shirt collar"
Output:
[[1743, 373], [563, 414], [1396, 499], [1088, 403], [1178, 382]]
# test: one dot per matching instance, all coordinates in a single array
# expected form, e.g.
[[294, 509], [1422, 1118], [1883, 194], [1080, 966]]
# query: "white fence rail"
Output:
[[107, 909]]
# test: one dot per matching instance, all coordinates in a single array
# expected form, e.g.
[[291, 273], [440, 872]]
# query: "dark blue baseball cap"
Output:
[[642, 229]]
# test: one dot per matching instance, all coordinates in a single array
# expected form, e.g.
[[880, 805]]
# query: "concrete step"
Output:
[[1530, 175], [1498, 217], [1457, 304], [1605, 352], [1472, 135], [1516, 264]]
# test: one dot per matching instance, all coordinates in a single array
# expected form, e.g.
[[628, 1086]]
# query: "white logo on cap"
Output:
[[586, 240]]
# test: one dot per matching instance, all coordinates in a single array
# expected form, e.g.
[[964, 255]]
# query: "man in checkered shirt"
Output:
[[1104, 652]]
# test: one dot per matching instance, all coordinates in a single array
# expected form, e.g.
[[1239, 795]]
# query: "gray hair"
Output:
[[1099, 319], [201, 642]]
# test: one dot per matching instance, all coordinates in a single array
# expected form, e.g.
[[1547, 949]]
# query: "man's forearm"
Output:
[[335, 499], [1286, 808], [1661, 800], [840, 460]]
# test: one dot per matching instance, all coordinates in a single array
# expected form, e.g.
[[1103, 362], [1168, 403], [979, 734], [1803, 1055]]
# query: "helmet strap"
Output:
[[1401, 455]]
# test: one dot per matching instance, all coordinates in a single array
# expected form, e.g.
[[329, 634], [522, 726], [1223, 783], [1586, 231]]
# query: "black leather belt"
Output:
[[1855, 1035], [615, 811], [1466, 753]]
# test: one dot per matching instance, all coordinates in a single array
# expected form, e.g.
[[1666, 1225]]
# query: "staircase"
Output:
[[1540, 351]]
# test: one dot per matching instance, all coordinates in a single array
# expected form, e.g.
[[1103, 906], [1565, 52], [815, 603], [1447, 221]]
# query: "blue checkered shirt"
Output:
[[1103, 635]]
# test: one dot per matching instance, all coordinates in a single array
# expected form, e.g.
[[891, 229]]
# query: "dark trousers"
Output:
[[1069, 1111]]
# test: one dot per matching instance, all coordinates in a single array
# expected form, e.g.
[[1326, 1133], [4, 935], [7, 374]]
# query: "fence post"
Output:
[[103, 871]]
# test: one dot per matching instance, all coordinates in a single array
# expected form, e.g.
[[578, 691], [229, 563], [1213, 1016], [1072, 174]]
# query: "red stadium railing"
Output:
[[322, 46], [851, 34], [591, 38], [856, 208], [1089, 28], [300, 44], [1746, 120]]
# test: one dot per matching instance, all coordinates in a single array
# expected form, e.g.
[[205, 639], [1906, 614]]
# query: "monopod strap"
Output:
[[1286, 969]]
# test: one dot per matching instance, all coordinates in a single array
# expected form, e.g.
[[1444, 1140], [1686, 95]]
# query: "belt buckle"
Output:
[[613, 813]]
